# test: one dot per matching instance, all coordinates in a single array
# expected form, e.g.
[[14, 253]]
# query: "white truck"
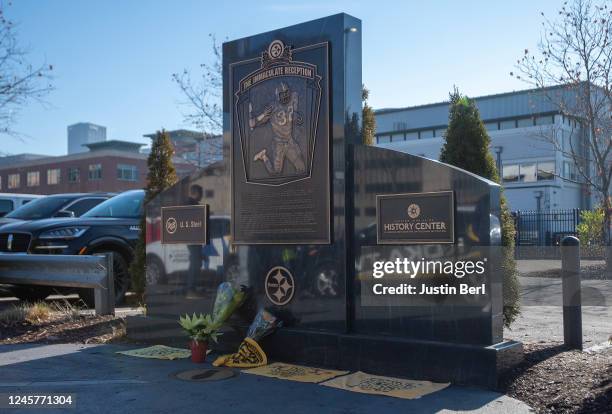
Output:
[[10, 201]]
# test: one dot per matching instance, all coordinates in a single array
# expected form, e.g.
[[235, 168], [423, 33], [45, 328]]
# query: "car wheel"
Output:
[[31, 293], [122, 280], [154, 271]]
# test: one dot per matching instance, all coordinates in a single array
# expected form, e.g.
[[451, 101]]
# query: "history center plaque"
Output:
[[280, 146], [416, 218]]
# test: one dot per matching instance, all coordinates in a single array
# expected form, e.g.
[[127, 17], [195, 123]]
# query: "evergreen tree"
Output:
[[467, 146], [161, 175], [368, 127]]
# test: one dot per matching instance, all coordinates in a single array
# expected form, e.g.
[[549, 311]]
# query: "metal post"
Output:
[[105, 296], [572, 303]]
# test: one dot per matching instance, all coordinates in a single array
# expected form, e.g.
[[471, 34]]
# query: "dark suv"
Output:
[[111, 227], [57, 205]]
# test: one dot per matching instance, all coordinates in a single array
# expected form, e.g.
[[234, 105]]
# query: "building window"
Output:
[[508, 124], [33, 179], [524, 122], [13, 181], [510, 173], [384, 139], [399, 126], [53, 176], [491, 126], [411, 136], [95, 172], [569, 171], [545, 120], [74, 175], [428, 133], [546, 171], [528, 172], [438, 133], [127, 172]]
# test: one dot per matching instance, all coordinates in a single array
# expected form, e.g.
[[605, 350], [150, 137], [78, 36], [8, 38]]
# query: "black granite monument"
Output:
[[298, 202]]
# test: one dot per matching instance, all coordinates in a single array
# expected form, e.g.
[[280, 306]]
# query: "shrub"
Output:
[[466, 145], [590, 232]]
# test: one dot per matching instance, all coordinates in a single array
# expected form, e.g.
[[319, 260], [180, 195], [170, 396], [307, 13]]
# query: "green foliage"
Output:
[[161, 175], [467, 146], [590, 232], [200, 328], [590, 227], [368, 127], [466, 141]]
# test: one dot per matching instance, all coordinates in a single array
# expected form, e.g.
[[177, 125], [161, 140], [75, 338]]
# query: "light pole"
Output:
[[498, 151]]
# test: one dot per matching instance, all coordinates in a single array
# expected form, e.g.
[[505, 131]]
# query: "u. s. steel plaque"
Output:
[[184, 224], [412, 218], [280, 146]]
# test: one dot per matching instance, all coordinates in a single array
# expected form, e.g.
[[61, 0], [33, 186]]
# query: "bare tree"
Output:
[[572, 69], [203, 95], [20, 81]]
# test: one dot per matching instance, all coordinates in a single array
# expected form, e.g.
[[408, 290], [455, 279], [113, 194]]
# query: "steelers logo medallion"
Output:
[[171, 225], [275, 50], [413, 211], [280, 285]]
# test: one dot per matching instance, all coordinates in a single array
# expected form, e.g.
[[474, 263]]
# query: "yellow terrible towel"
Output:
[[295, 372], [393, 387], [158, 352], [249, 355]]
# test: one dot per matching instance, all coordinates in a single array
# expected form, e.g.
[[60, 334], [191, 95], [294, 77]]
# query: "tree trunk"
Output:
[[606, 236]]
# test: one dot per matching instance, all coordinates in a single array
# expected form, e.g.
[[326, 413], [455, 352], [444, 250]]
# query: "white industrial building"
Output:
[[537, 175]]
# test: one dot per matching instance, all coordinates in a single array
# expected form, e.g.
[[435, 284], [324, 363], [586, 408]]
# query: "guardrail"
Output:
[[94, 272]]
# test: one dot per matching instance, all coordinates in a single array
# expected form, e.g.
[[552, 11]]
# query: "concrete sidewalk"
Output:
[[105, 382]]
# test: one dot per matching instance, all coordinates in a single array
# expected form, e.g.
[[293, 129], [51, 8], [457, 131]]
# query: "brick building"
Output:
[[110, 166]]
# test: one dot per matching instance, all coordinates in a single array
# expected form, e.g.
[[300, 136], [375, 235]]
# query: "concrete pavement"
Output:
[[105, 382]]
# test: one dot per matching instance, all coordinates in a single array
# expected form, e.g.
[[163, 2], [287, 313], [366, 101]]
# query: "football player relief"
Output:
[[277, 109]]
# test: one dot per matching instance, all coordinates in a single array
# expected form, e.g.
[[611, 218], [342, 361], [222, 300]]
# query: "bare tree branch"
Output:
[[203, 99], [20, 81]]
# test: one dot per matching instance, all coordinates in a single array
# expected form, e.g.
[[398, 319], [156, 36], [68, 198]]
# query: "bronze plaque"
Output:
[[184, 224], [413, 218], [280, 146]]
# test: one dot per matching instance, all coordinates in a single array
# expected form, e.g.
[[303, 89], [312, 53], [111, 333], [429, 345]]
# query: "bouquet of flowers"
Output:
[[226, 302], [264, 324], [250, 354]]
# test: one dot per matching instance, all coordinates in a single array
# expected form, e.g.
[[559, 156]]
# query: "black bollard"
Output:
[[572, 303]]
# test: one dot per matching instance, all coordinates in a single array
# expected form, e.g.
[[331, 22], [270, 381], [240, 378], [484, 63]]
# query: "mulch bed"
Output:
[[553, 379], [87, 329]]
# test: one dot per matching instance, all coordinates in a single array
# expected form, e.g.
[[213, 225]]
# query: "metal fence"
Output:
[[538, 231], [94, 272]]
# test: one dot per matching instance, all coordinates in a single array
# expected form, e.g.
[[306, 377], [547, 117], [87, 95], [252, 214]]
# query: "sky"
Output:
[[113, 59]]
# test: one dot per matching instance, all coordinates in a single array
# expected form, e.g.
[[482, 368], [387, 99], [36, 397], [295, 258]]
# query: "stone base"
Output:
[[382, 355]]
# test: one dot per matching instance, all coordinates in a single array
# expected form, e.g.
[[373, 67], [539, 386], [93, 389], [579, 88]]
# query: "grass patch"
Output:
[[13, 315], [39, 312]]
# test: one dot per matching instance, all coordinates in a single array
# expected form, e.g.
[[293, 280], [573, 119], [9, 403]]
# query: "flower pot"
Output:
[[198, 351]]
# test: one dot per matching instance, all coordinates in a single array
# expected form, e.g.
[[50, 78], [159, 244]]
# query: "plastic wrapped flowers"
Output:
[[250, 354], [226, 302]]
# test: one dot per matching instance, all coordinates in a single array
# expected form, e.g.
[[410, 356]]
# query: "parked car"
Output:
[[57, 205], [111, 227], [10, 202]]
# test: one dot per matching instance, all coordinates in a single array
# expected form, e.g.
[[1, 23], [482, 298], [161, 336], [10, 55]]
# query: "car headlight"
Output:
[[64, 233]]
